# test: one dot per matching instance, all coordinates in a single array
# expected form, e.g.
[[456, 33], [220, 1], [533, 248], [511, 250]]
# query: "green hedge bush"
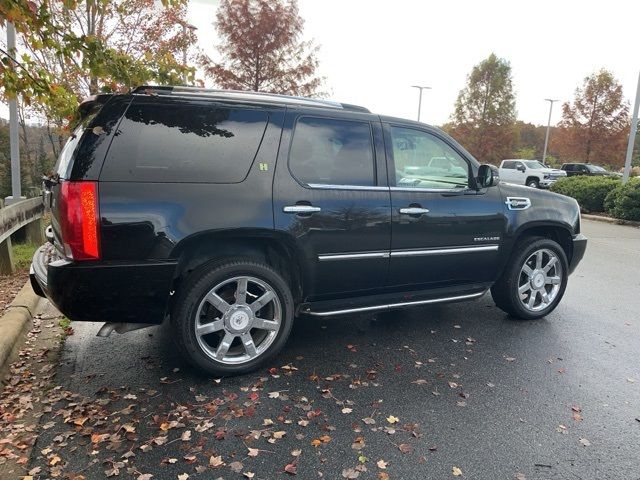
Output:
[[624, 201], [590, 192]]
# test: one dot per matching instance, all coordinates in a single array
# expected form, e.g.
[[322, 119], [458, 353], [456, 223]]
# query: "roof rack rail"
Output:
[[246, 95]]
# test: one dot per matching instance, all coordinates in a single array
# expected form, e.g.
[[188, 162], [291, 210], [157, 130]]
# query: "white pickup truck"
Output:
[[531, 173]]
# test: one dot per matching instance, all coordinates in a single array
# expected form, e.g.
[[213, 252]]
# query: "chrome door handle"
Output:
[[413, 211], [301, 209]]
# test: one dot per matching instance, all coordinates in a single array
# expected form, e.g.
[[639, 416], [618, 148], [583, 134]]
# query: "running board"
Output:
[[391, 306]]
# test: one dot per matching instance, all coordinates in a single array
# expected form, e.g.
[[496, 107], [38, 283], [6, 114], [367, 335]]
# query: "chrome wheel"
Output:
[[540, 280], [238, 320]]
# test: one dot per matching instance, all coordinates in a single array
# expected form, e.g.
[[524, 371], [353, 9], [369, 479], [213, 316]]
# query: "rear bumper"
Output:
[[579, 247], [105, 291]]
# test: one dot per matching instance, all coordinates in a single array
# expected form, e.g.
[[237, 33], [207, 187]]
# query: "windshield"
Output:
[[536, 165], [595, 168]]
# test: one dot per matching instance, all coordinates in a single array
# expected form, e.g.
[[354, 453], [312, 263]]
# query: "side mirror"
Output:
[[488, 176], [520, 168]]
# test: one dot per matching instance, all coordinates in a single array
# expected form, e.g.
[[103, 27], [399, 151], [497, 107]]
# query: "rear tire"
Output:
[[534, 280], [231, 316]]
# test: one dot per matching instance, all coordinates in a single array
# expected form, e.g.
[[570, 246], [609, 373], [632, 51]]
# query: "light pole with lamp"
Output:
[[546, 137], [420, 97]]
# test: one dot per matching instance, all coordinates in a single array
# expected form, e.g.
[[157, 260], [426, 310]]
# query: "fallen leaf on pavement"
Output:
[[391, 419], [350, 473], [456, 472], [382, 464], [291, 468], [405, 448], [584, 442]]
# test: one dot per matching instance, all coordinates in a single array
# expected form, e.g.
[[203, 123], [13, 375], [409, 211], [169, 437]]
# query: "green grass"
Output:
[[64, 323], [22, 255]]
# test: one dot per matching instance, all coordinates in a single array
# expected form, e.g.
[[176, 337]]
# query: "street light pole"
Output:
[[632, 136], [420, 97], [546, 137], [14, 141]]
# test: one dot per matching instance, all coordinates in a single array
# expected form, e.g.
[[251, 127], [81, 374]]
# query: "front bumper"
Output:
[[546, 183], [103, 291], [579, 247]]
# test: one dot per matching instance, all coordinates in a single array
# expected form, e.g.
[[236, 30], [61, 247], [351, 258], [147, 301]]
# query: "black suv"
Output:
[[573, 169], [231, 213]]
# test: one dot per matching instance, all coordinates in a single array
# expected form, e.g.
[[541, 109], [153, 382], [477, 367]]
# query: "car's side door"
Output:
[[520, 174], [569, 169], [508, 170], [444, 233], [331, 198]]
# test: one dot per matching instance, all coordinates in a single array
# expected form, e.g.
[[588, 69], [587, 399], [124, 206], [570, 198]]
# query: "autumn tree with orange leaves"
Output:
[[262, 50], [595, 126], [485, 111]]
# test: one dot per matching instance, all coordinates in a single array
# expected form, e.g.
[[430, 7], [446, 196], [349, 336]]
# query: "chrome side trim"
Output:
[[390, 306], [430, 190], [444, 251], [352, 256], [325, 186]]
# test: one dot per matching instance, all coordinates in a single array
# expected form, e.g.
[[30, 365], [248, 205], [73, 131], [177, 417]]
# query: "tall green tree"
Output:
[[262, 49], [485, 111], [595, 125]]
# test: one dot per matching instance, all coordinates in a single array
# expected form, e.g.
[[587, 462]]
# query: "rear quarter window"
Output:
[[191, 143]]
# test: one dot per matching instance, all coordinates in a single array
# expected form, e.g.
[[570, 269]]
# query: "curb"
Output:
[[615, 221], [15, 323]]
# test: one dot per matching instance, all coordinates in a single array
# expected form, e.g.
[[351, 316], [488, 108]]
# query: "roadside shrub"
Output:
[[590, 192], [624, 201]]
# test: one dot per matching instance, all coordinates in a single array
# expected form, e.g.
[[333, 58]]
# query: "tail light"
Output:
[[79, 220]]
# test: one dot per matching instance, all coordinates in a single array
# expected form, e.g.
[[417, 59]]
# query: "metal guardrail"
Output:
[[12, 218]]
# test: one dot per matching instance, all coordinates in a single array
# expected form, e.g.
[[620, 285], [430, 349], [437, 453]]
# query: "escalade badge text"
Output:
[[486, 239]]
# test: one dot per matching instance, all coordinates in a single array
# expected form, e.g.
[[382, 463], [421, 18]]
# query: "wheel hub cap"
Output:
[[537, 280], [239, 319]]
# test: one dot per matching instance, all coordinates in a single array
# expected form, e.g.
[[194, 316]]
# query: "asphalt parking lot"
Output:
[[435, 392]]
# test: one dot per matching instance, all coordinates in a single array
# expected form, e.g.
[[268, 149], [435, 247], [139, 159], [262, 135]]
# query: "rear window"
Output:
[[185, 143], [63, 165]]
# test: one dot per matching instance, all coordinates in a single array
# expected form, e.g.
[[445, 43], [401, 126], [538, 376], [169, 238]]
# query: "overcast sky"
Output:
[[372, 51]]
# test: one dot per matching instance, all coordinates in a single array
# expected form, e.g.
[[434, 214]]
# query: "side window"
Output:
[[520, 166], [332, 152], [509, 165], [169, 142], [424, 161]]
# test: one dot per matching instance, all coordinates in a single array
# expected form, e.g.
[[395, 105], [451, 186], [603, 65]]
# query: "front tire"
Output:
[[534, 281], [533, 183], [232, 316]]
